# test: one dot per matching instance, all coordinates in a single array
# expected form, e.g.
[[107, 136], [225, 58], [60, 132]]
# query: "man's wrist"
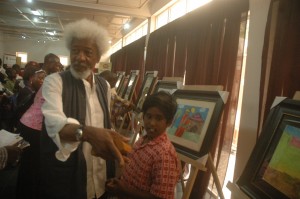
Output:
[[79, 133]]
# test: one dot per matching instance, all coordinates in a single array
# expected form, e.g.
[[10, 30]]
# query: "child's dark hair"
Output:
[[164, 101]]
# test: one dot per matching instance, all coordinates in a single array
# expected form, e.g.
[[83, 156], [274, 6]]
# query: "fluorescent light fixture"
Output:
[[51, 33], [35, 12], [126, 26]]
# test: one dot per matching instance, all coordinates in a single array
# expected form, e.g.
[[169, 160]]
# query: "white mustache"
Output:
[[80, 64]]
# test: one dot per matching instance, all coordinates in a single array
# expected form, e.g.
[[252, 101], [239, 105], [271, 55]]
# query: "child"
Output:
[[152, 170]]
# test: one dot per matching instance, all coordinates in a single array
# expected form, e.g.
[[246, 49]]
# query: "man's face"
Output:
[[84, 55], [52, 65]]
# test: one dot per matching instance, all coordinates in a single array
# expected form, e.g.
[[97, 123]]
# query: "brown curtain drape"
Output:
[[130, 57], [206, 46], [281, 54]]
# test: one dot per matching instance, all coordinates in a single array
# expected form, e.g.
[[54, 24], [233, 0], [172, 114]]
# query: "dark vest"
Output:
[[67, 180]]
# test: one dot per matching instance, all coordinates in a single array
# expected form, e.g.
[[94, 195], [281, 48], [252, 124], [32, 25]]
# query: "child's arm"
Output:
[[118, 187]]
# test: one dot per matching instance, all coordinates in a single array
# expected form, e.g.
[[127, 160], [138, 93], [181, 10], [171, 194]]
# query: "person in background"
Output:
[[26, 95], [9, 156], [51, 63], [76, 112], [30, 127], [10, 80], [118, 105], [153, 167], [17, 68]]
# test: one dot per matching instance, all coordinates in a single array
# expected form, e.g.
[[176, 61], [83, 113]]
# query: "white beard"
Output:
[[80, 75]]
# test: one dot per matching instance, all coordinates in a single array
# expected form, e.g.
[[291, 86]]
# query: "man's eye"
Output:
[[89, 53], [148, 116], [74, 51]]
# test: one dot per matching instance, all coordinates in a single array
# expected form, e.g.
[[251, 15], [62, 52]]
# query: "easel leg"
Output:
[[211, 166]]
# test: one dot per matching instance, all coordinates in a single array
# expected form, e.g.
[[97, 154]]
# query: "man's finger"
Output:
[[117, 154]]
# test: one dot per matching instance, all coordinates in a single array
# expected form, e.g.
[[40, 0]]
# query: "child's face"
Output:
[[155, 122]]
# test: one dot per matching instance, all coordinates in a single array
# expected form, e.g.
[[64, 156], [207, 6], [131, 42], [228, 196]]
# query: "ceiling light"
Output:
[[29, 1], [46, 21], [109, 41], [126, 26], [35, 12], [51, 33], [35, 19]]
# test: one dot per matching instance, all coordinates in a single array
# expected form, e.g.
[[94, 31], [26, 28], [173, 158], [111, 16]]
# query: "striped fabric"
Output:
[[3, 157]]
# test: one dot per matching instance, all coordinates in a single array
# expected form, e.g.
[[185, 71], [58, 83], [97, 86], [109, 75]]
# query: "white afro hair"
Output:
[[85, 28]]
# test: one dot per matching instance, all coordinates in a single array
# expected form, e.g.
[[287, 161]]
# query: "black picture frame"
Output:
[[121, 77], [195, 123], [131, 84], [273, 169], [150, 79], [168, 86], [122, 86]]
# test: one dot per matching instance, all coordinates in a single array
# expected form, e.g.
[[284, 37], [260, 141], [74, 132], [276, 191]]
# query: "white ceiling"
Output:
[[17, 20]]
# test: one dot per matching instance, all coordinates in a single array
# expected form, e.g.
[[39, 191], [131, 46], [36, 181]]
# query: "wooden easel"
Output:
[[197, 165]]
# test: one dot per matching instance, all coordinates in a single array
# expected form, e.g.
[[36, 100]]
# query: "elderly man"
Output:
[[77, 124]]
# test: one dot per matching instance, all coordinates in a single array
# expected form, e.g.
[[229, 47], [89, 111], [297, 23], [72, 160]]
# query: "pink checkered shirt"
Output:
[[153, 167]]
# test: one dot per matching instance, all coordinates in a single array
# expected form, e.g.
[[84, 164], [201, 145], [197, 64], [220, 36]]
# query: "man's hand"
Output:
[[102, 142]]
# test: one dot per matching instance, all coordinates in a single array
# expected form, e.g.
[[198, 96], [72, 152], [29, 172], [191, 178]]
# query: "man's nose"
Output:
[[81, 55]]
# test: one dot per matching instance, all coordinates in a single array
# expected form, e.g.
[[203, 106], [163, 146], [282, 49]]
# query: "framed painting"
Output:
[[131, 84], [121, 77], [273, 169], [122, 86], [196, 120], [149, 82], [168, 86]]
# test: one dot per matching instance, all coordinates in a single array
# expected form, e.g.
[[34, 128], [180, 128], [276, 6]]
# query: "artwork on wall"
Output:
[[196, 120], [131, 84], [104, 66], [149, 82], [273, 169]]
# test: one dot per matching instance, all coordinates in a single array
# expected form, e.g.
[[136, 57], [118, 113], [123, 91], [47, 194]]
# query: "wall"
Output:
[[1, 46], [35, 51], [250, 105]]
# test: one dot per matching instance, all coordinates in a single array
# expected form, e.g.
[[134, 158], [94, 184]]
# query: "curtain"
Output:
[[131, 57], [207, 49], [281, 54]]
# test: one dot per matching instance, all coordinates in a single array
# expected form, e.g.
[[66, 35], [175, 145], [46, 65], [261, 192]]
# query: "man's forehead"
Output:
[[53, 59], [84, 43]]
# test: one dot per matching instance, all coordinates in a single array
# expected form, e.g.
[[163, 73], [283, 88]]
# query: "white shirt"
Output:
[[55, 120]]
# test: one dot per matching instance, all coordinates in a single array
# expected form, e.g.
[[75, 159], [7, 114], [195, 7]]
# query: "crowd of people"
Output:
[[65, 115]]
